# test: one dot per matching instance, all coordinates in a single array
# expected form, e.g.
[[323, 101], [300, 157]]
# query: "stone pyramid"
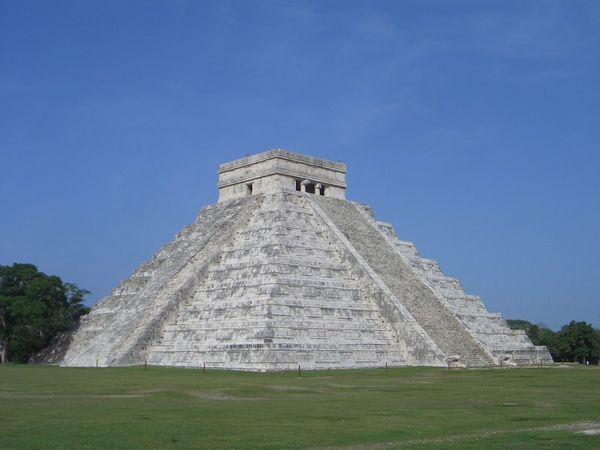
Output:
[[284, 271]]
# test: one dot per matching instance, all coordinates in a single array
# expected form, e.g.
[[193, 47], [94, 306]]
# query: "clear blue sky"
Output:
[[474, 127]]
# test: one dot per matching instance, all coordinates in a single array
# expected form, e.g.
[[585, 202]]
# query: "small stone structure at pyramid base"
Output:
[[284, 272]]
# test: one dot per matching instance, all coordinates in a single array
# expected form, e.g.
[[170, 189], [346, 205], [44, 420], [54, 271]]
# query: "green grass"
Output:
[[51, 407]]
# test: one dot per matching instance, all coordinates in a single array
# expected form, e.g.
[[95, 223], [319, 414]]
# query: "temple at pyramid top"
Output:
[[281, 170]]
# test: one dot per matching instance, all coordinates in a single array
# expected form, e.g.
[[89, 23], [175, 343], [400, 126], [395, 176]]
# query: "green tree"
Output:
[[548, 338], [518, 324], [536, 333], [578, 341], [34, 308]]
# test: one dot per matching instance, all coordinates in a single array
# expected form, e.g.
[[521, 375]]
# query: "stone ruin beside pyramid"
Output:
[[284, 272]]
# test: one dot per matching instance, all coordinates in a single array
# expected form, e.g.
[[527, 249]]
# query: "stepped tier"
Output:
[[490, 329]]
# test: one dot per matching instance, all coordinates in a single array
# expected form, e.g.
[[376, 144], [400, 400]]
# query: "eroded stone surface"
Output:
[[282, 272]]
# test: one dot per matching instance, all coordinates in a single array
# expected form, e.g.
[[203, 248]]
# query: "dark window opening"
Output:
[[322, 190], [298, 185], [249, 188], [310, 188]]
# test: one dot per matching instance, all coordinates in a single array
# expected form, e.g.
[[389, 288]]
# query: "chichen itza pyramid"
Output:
[[284, 271]]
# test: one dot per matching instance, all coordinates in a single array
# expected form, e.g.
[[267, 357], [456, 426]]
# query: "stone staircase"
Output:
[[431, 313], [278, 296], [489, 328]]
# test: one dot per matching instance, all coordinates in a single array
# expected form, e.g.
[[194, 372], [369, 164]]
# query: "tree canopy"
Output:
[[34, 308], [576, 341]]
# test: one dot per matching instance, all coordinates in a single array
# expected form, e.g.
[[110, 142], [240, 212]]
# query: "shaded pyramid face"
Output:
[[280, 274]]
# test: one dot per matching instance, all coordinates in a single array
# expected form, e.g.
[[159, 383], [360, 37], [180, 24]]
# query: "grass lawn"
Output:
[[50, 407]]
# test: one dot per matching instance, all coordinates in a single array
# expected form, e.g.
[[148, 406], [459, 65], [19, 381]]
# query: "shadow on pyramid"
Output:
[[284, 272]]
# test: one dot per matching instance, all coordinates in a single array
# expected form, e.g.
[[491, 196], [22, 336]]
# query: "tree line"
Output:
[[34, 309], [574, 342]]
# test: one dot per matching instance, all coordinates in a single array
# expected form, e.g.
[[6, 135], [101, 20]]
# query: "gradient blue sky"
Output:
[[474, 127]]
